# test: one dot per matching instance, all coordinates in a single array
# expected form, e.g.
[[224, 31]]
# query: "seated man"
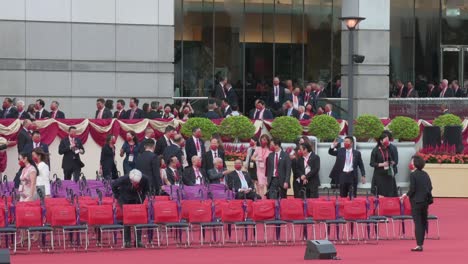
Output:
[[131, 189], [195, 175], [173, 171], [218, 173], [241, 183]]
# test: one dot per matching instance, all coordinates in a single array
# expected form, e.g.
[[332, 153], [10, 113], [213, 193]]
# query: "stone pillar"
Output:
[[372, 40]]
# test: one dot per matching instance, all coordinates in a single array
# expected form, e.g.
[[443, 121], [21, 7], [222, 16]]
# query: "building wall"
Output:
[[74, 51]]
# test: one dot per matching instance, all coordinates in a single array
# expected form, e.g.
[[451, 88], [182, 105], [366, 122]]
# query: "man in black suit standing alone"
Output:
[[278, 170], [71, 148], [148, 163], [276, 96], [345, 170], [24, 136], [212, 154], [102, 112]]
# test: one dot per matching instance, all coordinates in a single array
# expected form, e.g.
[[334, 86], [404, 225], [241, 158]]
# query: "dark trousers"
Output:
[[250, 196], [297, 187], [67, 174], [312, 191], [128, 235], [276, 189], [419, 212], [348, 183]]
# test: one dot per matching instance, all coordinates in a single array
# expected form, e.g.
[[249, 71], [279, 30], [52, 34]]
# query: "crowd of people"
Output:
[[444, 89]]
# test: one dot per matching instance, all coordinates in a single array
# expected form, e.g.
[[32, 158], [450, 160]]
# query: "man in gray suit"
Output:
[[218, 172], [278, 170]]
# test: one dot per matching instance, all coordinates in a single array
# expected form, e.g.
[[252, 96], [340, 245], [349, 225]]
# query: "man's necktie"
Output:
[[276, 164], [257, 114]]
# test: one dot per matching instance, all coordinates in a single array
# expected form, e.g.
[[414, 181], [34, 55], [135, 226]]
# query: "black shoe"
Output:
[[418, 248], [140, 245], [128, 245]]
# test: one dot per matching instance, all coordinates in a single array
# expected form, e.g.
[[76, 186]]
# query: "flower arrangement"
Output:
[[443, 154], [233, 152]]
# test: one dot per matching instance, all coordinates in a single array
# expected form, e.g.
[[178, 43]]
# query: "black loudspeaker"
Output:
[[453, 137], [4, 256], [320, 249], [431, 136]]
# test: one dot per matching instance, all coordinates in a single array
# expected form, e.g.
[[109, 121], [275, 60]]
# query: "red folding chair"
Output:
[[29, 217], [235, 212], [7, 231], [201, 215], [325, 214], [355, 212], [102, 217], [293, 211], [136, 216], [392, 208], [64, 221], [166, 213], [265, 212]]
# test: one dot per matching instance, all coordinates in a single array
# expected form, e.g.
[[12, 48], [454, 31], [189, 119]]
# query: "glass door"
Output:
[[451, 63]]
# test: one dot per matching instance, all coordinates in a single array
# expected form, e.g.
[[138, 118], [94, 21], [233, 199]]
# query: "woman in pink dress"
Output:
[[27, 188], [260, 156]]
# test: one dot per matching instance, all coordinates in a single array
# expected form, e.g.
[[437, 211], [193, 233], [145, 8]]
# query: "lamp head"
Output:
[[351, 22]]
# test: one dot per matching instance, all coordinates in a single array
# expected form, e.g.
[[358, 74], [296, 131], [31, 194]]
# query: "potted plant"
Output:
[[404, 128], [447, 120], [368, 127], [207, 127], [237, 127], [286, 128], [324, 127]]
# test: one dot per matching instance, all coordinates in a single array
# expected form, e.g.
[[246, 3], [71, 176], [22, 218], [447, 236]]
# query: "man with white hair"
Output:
[[217, 174], [302, 114], [195, 174], [446, 90], [20, 107], [131, 189]]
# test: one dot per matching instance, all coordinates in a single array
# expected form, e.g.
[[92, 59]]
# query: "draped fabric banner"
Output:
[[98, 129]]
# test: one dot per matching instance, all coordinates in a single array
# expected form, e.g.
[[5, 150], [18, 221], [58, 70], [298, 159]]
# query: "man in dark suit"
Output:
[[134, 112], [302, 114], [227, 110], [9, 111], [296, 98], [20, 108], [194, 146], [175, 149], [433, 91], [120, 112], [402, 90], [290, 111], [276, 95], [241, 182], [71, 148], [55, 112], [329, 111], [457, 92], [309, 165], [24, 136], [41, 113], [320, 91], [231, 95], [211, 114], [345, 170], [131, 189], [278, 170], [218, 173], [446, 91], [173, 171], [102, 112], [261, 113], [412, 93], [195, 174], [148, 163], [149, 135], [220, 89], [212, 154], [308, 96], [154, 113], [165, 140], [36, 143]]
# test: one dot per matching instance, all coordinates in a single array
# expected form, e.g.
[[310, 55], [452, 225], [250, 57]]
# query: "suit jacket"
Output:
[[284, 168], [107, 162], [459, 93], [106, 114], [404, 92], [332, 114], [321, 94], [148, 163], [394, 157], [448, 93], [231, 96], [125, 193], [434, 93], [23, 115], [171, 176], [214, 176], [337, 171], [311, 98], [304, 117], [24, 139], [266, 114], [299, 97], [30, 147], [154, 114], [139, 114], [172, 150], [123, 114], [212, 115], [294, 113], [44, 114], [271, 96], [207, 160], [420, 186], [161, 145], [189, 176], [235, 182], [219, 92], [227, 111], [413, 93], [70, 160], [59, 115], [12, 113], [191, 149]]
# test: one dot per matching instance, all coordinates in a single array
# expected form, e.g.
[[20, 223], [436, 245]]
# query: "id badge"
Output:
[[261, 164], [251, 165], [130, 158], [77, 151], [385, 168]]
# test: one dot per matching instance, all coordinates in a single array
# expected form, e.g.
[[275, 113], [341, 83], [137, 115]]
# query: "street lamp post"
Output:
[[351, 23]]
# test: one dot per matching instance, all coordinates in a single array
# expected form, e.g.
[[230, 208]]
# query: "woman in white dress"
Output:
[[42, 181]]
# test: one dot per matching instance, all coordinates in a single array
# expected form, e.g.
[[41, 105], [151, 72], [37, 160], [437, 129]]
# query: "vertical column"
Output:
[[372, 40]]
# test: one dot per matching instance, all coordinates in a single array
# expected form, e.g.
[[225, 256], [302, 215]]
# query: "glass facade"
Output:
[[251, 41]]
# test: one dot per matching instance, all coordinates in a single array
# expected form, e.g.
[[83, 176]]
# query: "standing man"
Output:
[[148, 163], [278, 170], [71, 148], [20, 107], [131, 189], [102, 112], [220, 89], [55, 112], [446, 91], [412, 93], [134, 112], [37, 143], [311, 164], [24, 136], [210, 156], [165, 140], [120, 113], [345, 170], [41, 113], [195, 146], [276, 96], [175, 149], [9, 111]]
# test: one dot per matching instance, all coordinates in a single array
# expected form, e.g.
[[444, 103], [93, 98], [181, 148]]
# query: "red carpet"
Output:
[[452, 248]]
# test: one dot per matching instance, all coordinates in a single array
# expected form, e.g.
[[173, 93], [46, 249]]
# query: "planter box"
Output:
[[448, 180]]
